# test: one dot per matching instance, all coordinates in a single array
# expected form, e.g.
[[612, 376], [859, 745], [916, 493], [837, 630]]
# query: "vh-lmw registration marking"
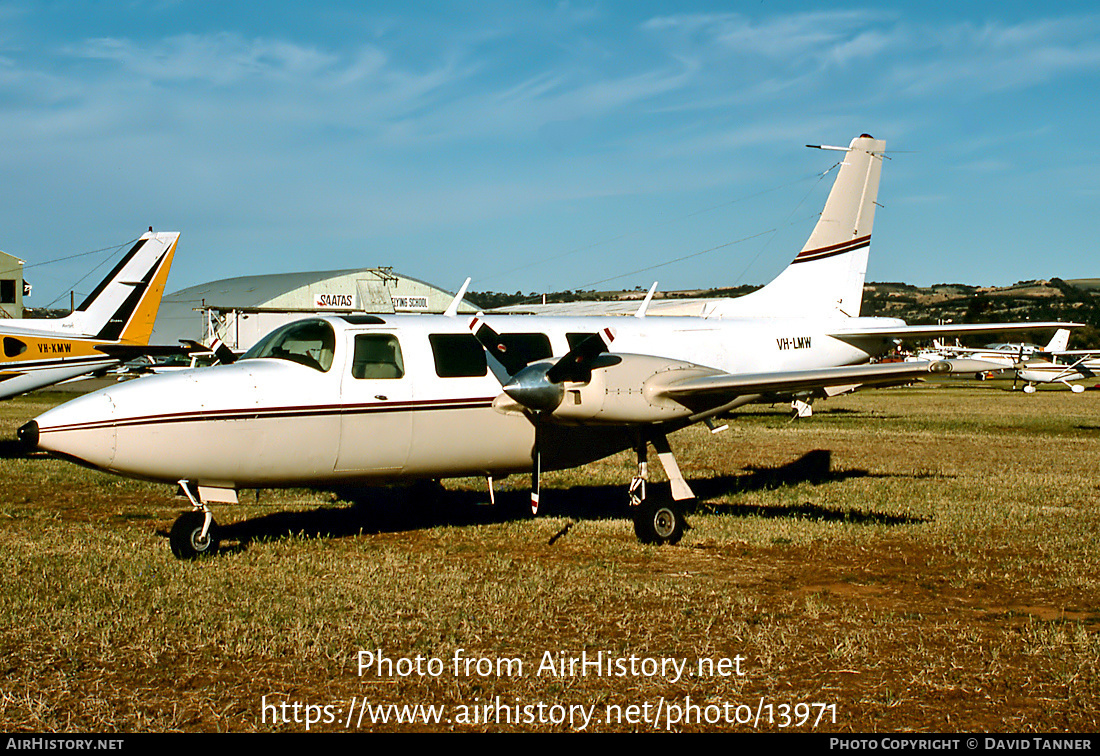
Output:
[[793, 342]]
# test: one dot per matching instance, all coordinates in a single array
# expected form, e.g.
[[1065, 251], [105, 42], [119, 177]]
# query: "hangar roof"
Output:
[[254, 291], [359, 289]]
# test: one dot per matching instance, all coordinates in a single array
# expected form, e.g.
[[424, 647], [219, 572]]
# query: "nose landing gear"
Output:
[[194, 534]]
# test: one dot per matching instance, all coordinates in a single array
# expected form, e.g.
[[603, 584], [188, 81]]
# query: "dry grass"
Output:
[[923, 559]]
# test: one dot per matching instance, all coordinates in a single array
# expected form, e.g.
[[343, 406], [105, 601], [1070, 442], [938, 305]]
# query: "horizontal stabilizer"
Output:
[[125, 352]]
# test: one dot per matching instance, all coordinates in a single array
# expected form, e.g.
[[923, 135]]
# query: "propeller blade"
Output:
[[536, 474], [577, 364], [503, 363]]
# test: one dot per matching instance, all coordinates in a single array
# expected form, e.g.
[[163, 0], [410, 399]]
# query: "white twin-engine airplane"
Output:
[[110, 326], [405, 397]]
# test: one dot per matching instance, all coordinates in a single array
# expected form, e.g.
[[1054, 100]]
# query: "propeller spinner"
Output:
[[540, 386]]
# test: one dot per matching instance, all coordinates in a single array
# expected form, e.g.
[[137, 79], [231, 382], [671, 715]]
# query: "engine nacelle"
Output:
[[627, 391]]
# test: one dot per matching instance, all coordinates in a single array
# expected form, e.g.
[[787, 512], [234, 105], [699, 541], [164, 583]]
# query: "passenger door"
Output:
[[376, 406]]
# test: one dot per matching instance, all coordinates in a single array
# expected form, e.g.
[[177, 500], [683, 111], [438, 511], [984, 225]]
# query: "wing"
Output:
[[951, 329]]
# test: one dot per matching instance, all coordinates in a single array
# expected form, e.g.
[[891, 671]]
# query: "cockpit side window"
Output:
[[377, 355], [307, 342], [13, 347]]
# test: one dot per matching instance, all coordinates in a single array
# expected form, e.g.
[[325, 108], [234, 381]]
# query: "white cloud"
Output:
[[793, 39], [965, 58]]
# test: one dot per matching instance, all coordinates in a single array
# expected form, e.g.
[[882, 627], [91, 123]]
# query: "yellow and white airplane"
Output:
[[110, 326], [405, 397]]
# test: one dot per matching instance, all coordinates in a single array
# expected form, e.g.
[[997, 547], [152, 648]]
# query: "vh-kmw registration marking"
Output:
[[55, 347], [793, 342]]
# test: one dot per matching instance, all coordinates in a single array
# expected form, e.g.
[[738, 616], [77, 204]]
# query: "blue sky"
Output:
[[546, 145]]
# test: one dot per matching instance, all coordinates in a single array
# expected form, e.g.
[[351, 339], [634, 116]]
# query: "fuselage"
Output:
[[392, 397], [30, 360]]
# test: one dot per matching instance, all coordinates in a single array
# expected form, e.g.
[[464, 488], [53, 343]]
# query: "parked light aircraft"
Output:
[[1006, 354], [405, 397], [1031, 363], [1049, 369], [110, 326]]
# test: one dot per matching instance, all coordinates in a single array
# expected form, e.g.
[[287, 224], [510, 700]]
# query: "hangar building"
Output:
[[12, 286], [242, 310]]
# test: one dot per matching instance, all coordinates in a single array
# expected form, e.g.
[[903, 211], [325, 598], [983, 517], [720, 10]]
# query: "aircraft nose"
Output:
[[28, 435], [82, 428]]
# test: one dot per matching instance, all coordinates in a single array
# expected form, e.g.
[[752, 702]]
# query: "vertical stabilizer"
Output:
[[826, 278], [1059, 342], [124, 304]]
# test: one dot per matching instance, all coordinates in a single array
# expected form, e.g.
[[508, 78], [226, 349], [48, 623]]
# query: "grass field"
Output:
[[906, 559]]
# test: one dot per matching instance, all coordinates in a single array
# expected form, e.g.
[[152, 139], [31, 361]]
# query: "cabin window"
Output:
[[307, 342], [13, 347], [527, 346], [377, 355], [577, 338], [457, 355]]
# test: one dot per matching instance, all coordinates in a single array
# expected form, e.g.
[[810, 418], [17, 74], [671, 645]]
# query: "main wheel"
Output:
[[185, 536], [659, 522]]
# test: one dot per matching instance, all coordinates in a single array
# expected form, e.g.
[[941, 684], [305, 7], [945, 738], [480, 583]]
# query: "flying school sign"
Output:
[[347, 302]]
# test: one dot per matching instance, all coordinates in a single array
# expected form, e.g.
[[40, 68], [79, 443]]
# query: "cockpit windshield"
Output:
[[307, 342]]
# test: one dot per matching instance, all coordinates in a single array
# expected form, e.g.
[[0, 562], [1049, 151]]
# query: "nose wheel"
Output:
[[191, 536], [194, 533]]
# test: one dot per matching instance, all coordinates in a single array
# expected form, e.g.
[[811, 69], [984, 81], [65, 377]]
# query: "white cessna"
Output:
[[1047, 368], [366, 398]]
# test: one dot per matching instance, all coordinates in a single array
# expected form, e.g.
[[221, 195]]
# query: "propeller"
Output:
[[221, 350], [540, 387]]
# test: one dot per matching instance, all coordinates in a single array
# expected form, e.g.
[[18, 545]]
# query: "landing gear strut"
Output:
[[656, 520], [194, 533]]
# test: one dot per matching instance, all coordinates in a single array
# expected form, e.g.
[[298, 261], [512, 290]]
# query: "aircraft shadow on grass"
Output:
[[418, 507]]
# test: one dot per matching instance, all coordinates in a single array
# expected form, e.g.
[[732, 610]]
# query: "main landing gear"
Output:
[[658, 520], [194, 534]]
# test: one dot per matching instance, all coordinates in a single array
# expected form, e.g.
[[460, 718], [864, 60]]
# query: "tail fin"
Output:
[[124, 305], [1059, 342], [826, 278]]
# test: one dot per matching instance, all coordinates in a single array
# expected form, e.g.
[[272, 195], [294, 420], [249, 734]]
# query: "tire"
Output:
[[659, 522], [184, 536]]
